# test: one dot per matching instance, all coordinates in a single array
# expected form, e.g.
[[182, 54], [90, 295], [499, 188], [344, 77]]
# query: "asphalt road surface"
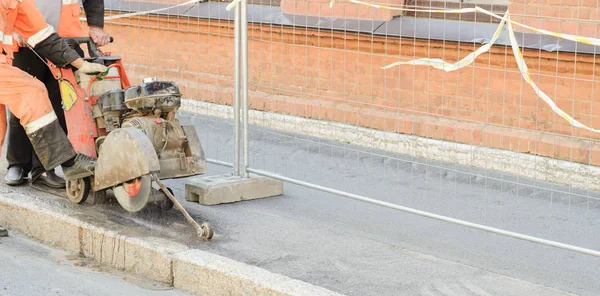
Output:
[[30, 268], [362, 249]]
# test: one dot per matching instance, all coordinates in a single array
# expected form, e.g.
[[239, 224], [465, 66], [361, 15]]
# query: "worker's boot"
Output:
[[82, 166], [53, 149], [48, 178]]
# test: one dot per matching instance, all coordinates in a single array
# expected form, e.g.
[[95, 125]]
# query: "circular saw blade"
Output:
[[138, 201]]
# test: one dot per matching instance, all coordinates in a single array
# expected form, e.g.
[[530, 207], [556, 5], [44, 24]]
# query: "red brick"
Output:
[[336, 76]]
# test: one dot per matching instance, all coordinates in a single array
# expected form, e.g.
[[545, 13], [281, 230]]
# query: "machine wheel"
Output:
[[208, 231], [135, 194], [78, 190]]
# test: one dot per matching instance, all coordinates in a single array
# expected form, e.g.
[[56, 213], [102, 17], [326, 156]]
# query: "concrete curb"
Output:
[[519, 164], [159, 259]]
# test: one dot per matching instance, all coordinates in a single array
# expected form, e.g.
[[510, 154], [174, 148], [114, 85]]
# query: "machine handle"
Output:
[[92, 48]]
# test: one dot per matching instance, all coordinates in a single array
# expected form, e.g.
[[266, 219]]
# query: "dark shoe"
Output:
[[83, 167], [50, 179], [3, 232], [15, 176]]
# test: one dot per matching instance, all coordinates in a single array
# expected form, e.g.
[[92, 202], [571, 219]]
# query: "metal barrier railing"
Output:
[[242, 168], [348, 52]]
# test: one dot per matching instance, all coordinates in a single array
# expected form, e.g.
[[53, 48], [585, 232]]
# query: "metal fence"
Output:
[[452, 110]]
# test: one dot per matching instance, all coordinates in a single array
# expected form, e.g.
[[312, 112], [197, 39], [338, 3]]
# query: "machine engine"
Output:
[[151, 107]]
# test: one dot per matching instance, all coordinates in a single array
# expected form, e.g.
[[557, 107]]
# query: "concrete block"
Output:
[[155, 258], [53, 228], [149, 257], [203, 273], [212, 190], [102, 246]]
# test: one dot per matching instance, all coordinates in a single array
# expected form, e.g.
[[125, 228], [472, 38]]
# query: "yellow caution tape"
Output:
[[69, 99], [525, 73], [462, 10], [575, 38], [441, 65]]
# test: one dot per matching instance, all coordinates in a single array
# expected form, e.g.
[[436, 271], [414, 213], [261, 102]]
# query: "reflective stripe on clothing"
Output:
[[28, 22], [7, 39], [26, 97], [40, 36], [39, 123]]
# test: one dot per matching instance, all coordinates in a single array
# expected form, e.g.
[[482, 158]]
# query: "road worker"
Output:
[[64, 16], [27, 98]]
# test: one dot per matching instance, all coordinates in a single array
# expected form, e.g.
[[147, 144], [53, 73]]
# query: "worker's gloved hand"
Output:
[[92, 68]]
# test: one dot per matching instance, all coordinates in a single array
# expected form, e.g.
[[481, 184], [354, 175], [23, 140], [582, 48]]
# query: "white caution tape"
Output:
[[125, 15], [441, 65], [525, 73], [575, 38], [232, 4], [462, 10]]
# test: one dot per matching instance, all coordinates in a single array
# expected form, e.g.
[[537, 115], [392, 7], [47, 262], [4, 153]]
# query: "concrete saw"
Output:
[[134, 132]]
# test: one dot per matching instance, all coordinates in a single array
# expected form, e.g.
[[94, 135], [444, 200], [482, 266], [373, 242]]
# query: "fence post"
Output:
[[211, 190], [236, 96], [244, 66]]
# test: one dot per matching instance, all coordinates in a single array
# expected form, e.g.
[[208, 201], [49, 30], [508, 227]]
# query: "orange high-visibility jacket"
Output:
[[23, 17]]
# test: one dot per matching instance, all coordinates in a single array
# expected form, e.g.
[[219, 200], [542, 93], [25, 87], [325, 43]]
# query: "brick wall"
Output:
[[337, 76], [579, 17]]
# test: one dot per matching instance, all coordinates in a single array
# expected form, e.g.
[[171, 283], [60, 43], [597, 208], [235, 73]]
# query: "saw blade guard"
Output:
[[125, 154]]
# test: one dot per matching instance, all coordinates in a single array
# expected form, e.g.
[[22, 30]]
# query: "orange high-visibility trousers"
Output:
[[25, 96]]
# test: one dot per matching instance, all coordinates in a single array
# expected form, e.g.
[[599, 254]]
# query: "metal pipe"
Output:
[[223, 163], [204, 231], [236, 95], [244, 61], [417, 212], [430, 215]]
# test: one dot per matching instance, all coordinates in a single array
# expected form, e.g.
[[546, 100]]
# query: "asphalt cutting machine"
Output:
[[132, 130]]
